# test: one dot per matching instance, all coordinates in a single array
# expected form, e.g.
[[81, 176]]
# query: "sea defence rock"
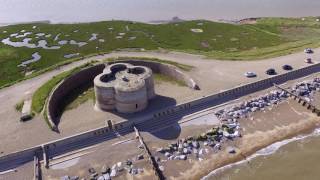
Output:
[[124, 87]]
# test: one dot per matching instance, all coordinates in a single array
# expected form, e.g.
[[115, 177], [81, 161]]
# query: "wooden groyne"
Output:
[[36, 168], [151, 159], [301, 101], [156, 119]]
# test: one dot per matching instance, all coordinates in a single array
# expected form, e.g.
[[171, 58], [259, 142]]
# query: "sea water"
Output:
[[15, 11], [295, 159]]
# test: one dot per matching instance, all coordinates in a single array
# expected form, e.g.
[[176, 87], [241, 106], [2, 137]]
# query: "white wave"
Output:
[[264, 152]]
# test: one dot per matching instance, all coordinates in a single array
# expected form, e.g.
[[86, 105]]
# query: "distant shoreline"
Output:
[[30, 22], [172, 20]]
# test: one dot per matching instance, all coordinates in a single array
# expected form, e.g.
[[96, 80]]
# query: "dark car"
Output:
[[271, 71], [308, 60], [308, 51], [287, 67]]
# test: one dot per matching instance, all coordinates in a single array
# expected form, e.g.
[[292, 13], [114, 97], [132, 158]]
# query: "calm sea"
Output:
[[294, 159], [14, 11]]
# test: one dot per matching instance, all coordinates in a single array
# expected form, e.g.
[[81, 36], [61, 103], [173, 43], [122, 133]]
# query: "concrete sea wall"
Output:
[[64, 145], [155, 119], [180, 110]]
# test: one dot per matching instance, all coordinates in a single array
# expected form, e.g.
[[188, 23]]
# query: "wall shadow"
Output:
[[168, 133], [159, 102]]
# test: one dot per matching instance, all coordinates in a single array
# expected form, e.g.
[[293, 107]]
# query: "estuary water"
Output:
[[294, 159], [68, 11]]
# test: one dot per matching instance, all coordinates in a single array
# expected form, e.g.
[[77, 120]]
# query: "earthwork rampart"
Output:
[[86, 76], [157, 118]]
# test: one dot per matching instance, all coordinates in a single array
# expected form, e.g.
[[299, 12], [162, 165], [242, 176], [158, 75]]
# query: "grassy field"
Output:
[[269, 37]]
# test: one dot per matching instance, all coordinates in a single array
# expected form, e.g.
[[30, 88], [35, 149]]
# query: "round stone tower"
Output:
[[124, 88]]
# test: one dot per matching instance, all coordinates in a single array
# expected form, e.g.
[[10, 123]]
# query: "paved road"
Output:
[[211, 75]]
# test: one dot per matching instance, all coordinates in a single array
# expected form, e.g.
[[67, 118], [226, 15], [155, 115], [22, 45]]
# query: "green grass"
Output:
[[19, 106], [79, 97], [269, 37], [40, 96], [184, 67]]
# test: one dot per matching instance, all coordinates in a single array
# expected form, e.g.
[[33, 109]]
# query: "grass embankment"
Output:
[[184, 67], [19, 106], [269, 37], [78, 97], [85, 93], [40, 96]]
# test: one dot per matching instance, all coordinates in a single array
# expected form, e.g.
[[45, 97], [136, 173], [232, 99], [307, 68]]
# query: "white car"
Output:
[[250, 74]]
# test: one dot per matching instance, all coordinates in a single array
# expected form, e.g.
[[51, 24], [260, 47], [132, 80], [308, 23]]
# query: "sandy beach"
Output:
[[260, 130]]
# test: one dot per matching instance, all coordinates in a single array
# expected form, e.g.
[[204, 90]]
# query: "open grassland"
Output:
[[268, 37]]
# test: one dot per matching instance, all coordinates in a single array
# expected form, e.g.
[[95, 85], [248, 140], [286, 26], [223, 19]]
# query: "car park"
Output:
[[287, 67], [250, 74]]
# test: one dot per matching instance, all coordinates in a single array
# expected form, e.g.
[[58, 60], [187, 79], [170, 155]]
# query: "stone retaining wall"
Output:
[[234, 93], [64, 145], [87, 75], [69, 84], [101, 134]]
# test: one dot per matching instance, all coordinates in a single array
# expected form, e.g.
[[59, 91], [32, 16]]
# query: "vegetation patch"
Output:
[[79, 96], [184, 67], [19, 106], [40, 96], [85, 93], [160, 78], [267, 35]]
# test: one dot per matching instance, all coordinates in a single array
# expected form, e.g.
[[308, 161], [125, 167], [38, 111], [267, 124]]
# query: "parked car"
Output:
[[250, 74], [287, 67], [271, 71], [308, 60], [308, 50]]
